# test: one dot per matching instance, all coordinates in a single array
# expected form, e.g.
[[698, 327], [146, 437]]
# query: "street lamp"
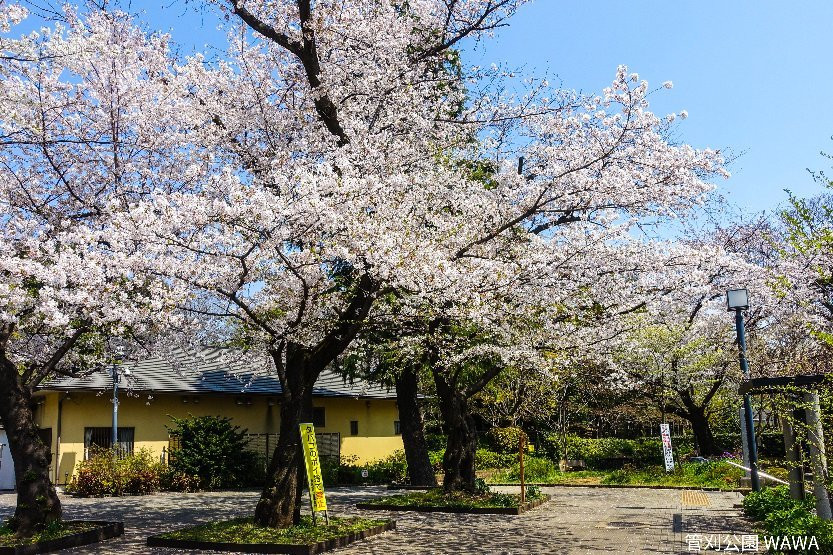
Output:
[[115, 373], [738, 300]]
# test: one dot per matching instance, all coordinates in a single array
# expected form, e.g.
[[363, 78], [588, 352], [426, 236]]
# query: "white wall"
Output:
[[6, 466]]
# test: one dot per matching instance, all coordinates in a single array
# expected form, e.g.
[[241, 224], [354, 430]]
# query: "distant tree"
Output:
[[388, 350], [681, 372], [682, 350]]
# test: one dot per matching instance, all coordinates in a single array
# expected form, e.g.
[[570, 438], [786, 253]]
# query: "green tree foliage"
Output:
[[506, 440], [806, 249], [216, 451]]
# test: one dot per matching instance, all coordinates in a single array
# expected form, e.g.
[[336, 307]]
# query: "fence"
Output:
[[329, 446]]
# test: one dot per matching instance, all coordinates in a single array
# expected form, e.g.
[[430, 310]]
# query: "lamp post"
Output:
[[737, 300], [115, 373]]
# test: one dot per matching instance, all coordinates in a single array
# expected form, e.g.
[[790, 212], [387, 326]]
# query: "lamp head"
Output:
[[737, 299]]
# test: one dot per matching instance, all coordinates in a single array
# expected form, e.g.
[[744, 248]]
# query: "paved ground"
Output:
[[576, 520]]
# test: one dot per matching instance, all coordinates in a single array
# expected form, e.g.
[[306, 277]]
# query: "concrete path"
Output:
[[576, 520]]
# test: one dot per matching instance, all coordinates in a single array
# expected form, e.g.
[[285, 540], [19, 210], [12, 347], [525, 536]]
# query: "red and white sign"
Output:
[[665, 433]]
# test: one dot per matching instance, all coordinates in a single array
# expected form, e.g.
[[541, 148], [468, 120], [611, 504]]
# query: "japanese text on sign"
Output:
[[314, 479], [665, 432]]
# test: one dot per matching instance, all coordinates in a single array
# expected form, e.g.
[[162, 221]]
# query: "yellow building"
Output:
[[357, 420]]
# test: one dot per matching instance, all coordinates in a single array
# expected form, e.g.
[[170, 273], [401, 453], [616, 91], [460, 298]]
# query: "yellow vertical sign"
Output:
[[314, 479]]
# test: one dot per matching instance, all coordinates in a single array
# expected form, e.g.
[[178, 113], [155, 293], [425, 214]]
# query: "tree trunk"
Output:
[[458, 461], [703, 433], [420, 471], [37, 501], [280, 501]]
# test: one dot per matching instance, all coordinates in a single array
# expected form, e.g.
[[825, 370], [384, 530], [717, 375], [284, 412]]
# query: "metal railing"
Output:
[[329, 446]]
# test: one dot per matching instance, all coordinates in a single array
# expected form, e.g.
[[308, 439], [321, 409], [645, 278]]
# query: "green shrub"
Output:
[[485, 459], [392, 469], [173, 480], [783, 516], [139, 473], [758, 504], [109, 473], [436, 458], [715, 474], [216, 451], [533, 492], [480, 486], [614, 452], [536, 469], [436, 442], [505, 440]]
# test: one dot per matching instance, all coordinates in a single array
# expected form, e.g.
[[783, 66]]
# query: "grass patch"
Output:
[[552, 476], [713, 474], [244, 530], [456, 500], [52, 531]]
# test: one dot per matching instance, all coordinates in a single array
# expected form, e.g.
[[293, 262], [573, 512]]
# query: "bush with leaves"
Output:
[[436, 442], [107, 472], [782, 515], [174, 480], [533, 492], [759, 504], [485, 459], [536, 469], [505, 440], [216, 451], [391, 469]]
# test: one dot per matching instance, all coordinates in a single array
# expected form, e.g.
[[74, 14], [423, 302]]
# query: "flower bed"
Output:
[[243, 535], [436, 500], [59, 535]]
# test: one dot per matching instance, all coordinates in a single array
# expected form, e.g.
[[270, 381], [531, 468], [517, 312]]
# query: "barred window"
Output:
[[354, 427], [102, 438], [318, 417]]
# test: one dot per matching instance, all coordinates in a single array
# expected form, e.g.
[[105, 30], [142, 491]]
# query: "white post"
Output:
[[817, 457]]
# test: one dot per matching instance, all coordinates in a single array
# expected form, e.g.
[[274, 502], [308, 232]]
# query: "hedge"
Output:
[[605, 453]]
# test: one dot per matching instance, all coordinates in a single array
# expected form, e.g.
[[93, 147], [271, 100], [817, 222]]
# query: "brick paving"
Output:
[[575, 521]]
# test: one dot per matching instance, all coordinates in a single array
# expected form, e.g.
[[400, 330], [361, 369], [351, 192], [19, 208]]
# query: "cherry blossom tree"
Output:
[[681, 351], [327, 161], [329, 187], [78, 140], [803, 242]]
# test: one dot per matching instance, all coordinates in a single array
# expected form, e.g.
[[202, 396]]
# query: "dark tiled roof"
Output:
[[211, 371]]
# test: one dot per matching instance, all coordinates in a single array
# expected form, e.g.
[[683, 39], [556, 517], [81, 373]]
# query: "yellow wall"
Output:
[[375, 440], [149, 416]]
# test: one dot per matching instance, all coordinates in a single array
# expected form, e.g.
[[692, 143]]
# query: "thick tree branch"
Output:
[[307, 53], [349, 323], [34, 375]]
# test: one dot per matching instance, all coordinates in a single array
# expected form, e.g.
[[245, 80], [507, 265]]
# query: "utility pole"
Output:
[[738, 300]]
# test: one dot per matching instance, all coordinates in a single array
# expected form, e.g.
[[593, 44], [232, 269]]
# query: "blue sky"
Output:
[[754, 76]]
